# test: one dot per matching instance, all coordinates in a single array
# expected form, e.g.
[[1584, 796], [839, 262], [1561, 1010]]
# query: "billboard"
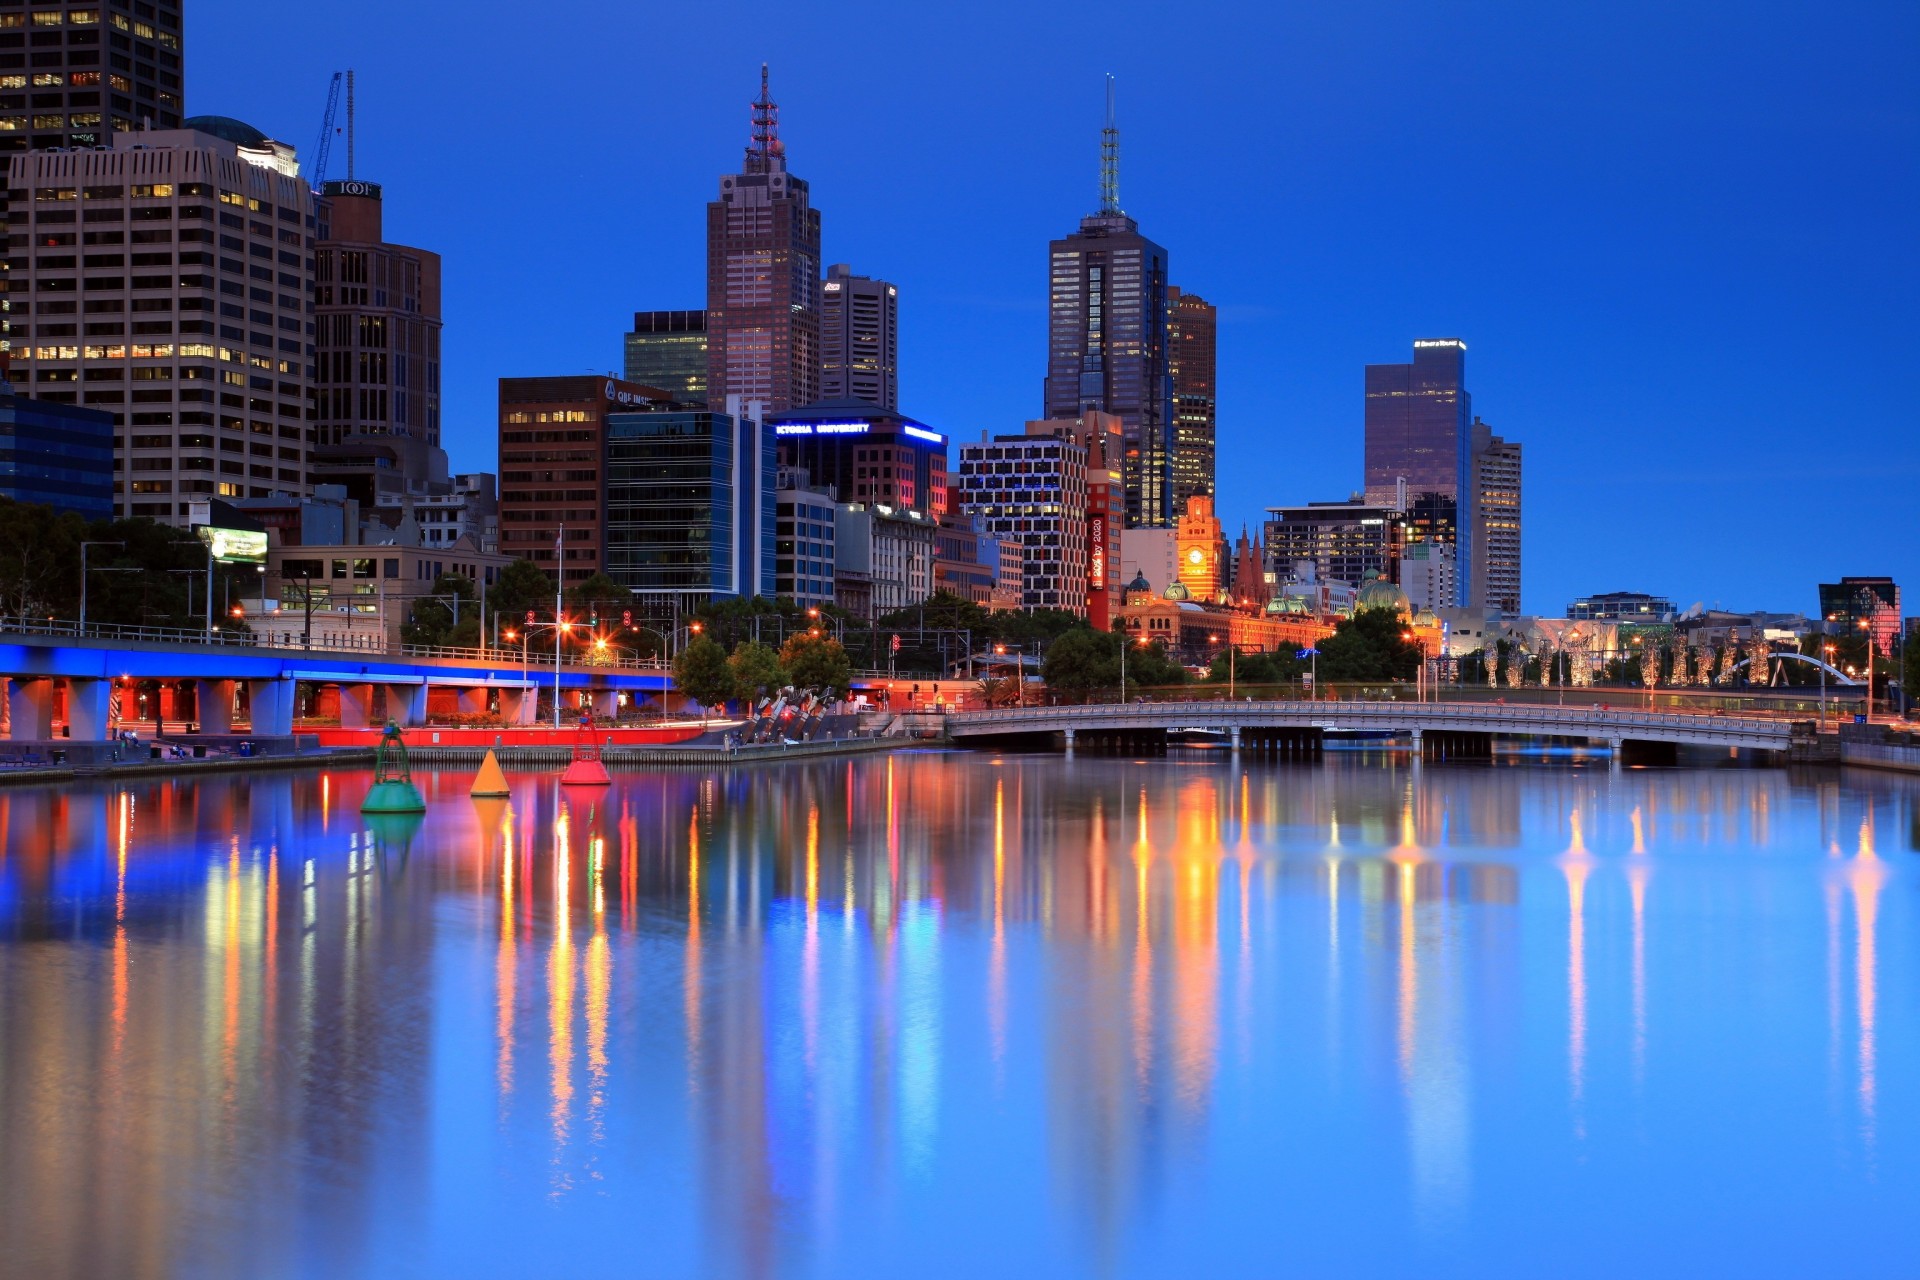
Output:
[[235, 546]]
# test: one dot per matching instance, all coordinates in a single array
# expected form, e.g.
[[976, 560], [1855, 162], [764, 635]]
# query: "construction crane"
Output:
[[325, 144]]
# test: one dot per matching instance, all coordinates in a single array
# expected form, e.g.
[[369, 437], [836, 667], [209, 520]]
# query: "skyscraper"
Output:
[[1496, 520], [859, 339], [668, 349], [1417, 430], [763, 277], [1107, 338], [170, 285], [1190, 330]]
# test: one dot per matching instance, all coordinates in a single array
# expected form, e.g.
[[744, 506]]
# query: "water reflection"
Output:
[[814, 1019]]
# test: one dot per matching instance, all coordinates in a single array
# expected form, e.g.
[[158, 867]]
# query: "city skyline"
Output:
[[1555, 214]]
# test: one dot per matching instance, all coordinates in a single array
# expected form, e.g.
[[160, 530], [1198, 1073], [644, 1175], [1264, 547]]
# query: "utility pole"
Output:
[[83, 576]]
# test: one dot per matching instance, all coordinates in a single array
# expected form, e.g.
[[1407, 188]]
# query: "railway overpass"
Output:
[[1298, 727]]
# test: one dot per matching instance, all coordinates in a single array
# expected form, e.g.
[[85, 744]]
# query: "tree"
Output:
[[521, 586], [816, 661], [39, 561], [1081, 662], [599, 597], [756, 670], [431, 619], [1371, 645], [701, 672], [1256, 668]]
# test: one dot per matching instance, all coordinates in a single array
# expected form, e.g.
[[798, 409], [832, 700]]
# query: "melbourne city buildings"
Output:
[[859, 338], [1418, 434], [1190, 361]]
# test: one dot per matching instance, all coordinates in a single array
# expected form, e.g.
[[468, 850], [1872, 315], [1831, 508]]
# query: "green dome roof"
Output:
[[1378, 593], [1178, 591], [1287, 604]]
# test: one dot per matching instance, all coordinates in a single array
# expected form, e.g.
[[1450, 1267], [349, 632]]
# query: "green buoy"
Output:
[[393, 790]]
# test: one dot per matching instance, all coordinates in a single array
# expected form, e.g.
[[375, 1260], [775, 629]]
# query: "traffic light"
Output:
[[529, 617], [626, 618]]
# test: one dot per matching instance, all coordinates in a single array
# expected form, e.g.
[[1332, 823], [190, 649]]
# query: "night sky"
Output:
[[1679, 240]]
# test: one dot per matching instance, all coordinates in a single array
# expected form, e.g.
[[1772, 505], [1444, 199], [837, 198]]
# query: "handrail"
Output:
[[1400, 714]]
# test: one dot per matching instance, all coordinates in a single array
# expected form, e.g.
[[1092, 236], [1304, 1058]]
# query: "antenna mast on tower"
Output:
[[1109, 155]]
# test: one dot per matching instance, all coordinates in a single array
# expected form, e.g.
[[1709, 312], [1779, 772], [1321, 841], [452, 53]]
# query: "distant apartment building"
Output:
[[763, 277], [1343, 541], [859, 338], [668, 349], [1191, 324], [1495, 544], [1621, 606], [553, 451], [168, 283], [1032, 489], [886, 553], [1873, 601]]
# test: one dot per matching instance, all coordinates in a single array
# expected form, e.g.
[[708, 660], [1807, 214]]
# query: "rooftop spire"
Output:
[[1110, 158], [766, 126]]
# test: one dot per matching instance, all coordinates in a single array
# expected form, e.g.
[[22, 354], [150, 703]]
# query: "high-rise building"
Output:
[[74, 72], [804, 545], [763, 277], [1496, 520], [1428, 574], [1343, 541], [1100, 434], [690, 505], [883, 558], [859, 338], [668, 349], [553, 467], [1190, 359], [860, 452], [169, 284], [1032, 489], [1418, 431], [376, 310], [1107, 338]]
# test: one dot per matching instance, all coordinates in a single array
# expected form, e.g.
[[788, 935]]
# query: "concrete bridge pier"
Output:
[[356, 706], [89, 709], [270, 703], [470, 699], [1236, 739], [1069, 741], [517, 705], [407, 704], [213, 704], [605, 704], [1618, 749], [30, 709]]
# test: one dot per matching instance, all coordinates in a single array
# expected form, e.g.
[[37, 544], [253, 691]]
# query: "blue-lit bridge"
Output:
[[35, 659], [1288, 727]]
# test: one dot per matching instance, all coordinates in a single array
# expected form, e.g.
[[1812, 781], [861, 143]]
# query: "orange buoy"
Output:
[[586, 768], [490, 782]]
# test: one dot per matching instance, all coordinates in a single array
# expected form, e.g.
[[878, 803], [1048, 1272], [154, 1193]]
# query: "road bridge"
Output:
[[1436, 727], [33, 666]]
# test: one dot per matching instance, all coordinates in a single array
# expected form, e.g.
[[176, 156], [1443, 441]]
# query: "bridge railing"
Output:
[[1399, 714]]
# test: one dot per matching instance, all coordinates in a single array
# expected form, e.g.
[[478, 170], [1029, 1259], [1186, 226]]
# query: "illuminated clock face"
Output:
[[1195, 556]]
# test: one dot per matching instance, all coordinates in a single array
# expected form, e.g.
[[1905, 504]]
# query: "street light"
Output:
[[1866, 624], [1828, 654]]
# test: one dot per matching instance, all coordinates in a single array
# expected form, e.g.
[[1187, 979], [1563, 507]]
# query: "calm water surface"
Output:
[[943, 1014]]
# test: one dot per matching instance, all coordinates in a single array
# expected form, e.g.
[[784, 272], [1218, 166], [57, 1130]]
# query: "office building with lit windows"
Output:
[[803, 540], [168, 281], [57, 455], [668, 349], [1190, 361], [1343, 541], [1032, 490], [553, 467], [1496, 520], [859, 338], [1418, 434], [763, 277], [860, 452]]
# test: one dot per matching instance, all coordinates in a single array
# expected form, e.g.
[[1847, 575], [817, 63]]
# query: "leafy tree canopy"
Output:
[[816, 662], [756, 670], [1370, 645], [701, 672]]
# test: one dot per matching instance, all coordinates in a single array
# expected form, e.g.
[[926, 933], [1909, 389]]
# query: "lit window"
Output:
[[52, 19], [48, 79], [84, 17]]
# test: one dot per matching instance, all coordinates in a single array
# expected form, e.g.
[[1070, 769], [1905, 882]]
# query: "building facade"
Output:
[[804, 540], [668, 349], [1418, 418], [1343, 541], [1621, 606], [58, 455], [1032, 489], [763, 277], [1429, 574], [886, 556], [860, 452], [1496, 515], [553, 451], [1201, 549], [1107, 341], [169, 284], [859, 338], [1191, 323], [1872, 601], [690, 506]]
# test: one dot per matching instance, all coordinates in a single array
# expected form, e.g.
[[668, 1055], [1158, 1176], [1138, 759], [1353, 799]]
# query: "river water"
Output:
[[949, 1014]]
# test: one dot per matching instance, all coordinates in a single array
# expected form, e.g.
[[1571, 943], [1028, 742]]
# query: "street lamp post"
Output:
[[1827, 655], [1866, 624]]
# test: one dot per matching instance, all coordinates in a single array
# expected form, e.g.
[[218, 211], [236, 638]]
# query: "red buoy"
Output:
[[586, 768]]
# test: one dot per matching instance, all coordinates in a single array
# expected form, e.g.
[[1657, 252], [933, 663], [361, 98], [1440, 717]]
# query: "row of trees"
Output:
[[708, 674]]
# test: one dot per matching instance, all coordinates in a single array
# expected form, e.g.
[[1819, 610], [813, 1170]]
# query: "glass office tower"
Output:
[[1418, 430]]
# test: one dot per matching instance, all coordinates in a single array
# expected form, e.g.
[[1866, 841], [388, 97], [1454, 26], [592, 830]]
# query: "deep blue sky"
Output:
[[1679, 240]]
